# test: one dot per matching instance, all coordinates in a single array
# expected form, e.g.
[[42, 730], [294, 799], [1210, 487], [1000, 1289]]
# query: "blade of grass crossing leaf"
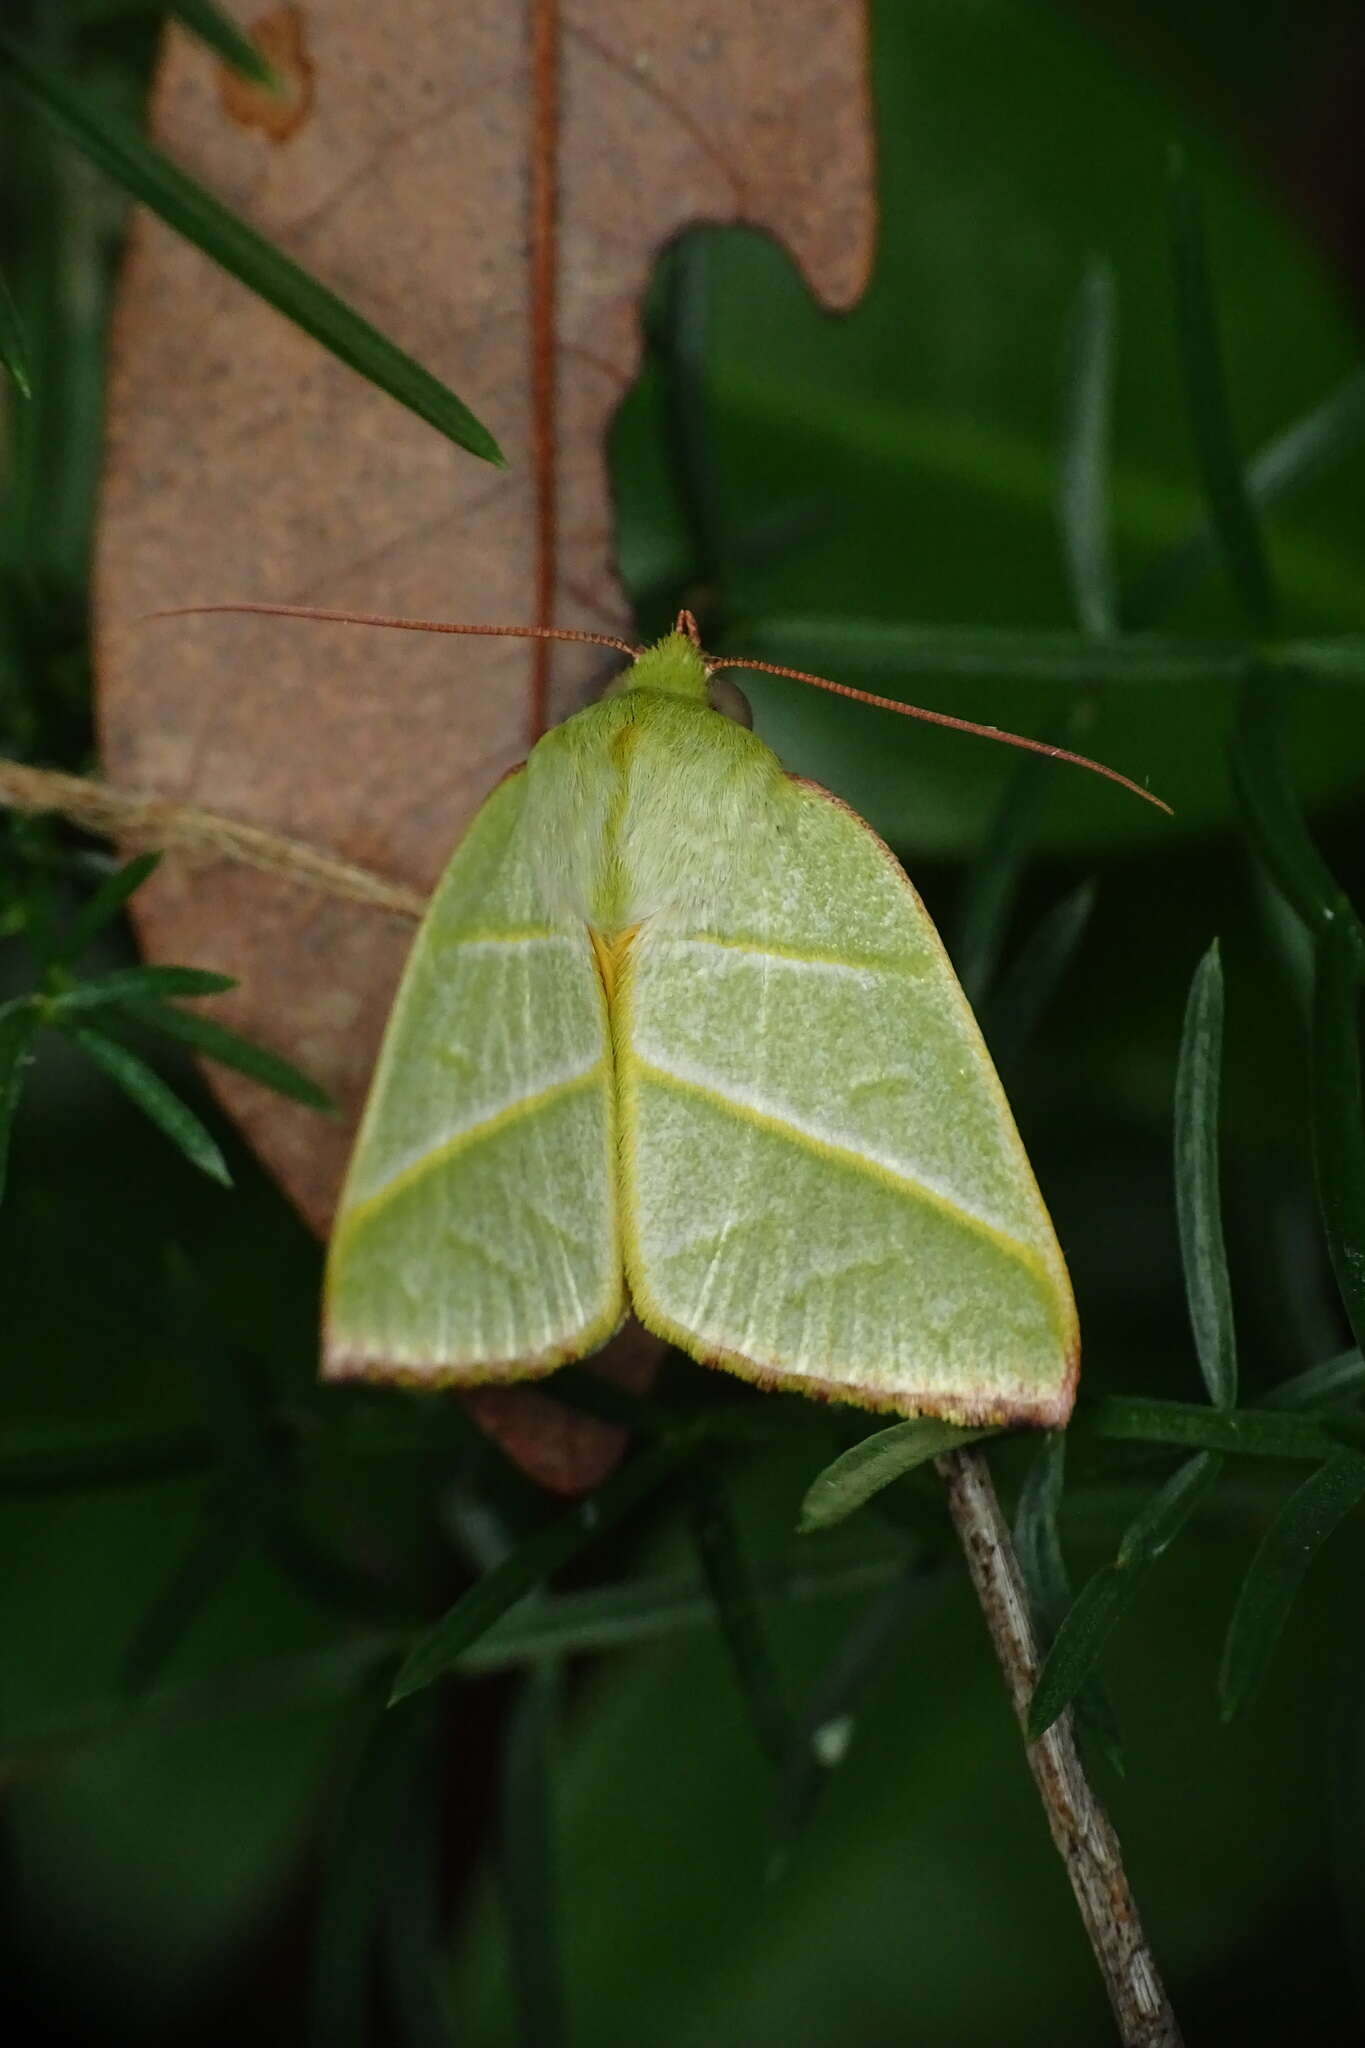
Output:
[[13, 346], [526, 1859], [1083, 496], [1104, 1598], [1339, 1117], [1208, 1292], [1230, 511], [107, 901], [1021, 996], [222, 35], [1315, 1508], [156, 1101], [367, 1846], [131, 984], [877, 1461], [734, 1594], [205, 1035], [17, 1030], [535, 1559], [118, 149]]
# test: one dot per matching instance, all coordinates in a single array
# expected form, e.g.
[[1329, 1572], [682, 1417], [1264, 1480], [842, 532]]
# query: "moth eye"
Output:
[[730, 701]]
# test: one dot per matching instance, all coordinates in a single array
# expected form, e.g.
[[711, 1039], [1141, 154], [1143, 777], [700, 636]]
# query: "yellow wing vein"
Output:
[[463, 1141], [856, 1162]]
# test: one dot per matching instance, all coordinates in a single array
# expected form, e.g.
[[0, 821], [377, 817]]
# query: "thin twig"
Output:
[[184, 828], [1081, 1829]]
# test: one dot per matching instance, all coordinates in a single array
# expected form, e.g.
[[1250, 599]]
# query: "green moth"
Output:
[[677, 1038]]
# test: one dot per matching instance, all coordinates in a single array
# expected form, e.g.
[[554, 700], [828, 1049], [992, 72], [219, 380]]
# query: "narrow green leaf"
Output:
[[156, 1101], [1315, 1508], [1025, 990], [13, 347], [357, 1871], [133, 984], [107, 901], [534, 1560], [734, 1594], [192, 1585], [1105, 1597], [866, 1467], [1270, 810], [1339, 1116], [1256, 1432], [992, 881], [1208, 1291], [1333, 658], [225, 39], [205, 1035], [526, 1860], [896, 650], [17, 1029], [413, 1930], [1230, 512], [821, 1737], [1294, 459], [1166, 1513], [1083, 496], [108, 1454], [118, 149], [1037, 1543], [1336, 1379]]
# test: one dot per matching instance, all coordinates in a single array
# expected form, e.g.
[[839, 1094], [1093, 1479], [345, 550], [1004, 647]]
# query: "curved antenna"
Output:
[[987, 732], [303, 611]]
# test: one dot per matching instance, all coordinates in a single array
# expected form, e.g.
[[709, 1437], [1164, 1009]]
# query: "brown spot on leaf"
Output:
[[279, 36]]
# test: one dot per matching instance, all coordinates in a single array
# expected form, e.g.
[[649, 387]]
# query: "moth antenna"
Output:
[[686, 623], [303, 611], [987, 732]]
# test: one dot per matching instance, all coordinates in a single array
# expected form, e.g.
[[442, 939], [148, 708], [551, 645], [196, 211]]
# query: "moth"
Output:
[[677, 1038]]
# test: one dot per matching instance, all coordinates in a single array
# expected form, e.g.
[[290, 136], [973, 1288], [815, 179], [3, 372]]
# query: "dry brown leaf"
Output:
[[490, 185]]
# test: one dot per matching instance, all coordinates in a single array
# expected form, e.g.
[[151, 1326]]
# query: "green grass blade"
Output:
[[413, 1930], [535, 1559], [1230, 511], [1038, 1546], [1337, 658], [99, 1454], [367, 1845], [992, 882], [1315, 1508], [131, 984], [734, 1594], [1270, 811], [1083, 495], [1106, 1597], [107, 901], [222, 35], [13, 346], [156, 1101], [1339, 1116], [526, 1860], [878, 1460], [1025, 990], [17, 1029], [1306, 450], [1336, 1379], [205, 1035], [120, 151], [1256, 1432], [1208, 1291]]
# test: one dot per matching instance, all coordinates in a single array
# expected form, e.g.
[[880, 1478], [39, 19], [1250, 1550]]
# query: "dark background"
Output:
[[173, 1874]]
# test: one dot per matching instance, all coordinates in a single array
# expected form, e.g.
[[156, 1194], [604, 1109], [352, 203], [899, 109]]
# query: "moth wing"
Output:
[[823, 1187], [477, 1236]]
